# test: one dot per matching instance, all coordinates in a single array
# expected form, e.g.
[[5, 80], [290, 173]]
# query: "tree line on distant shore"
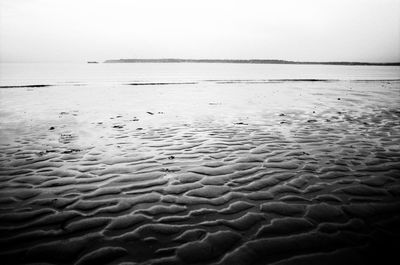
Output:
[[238, 61]]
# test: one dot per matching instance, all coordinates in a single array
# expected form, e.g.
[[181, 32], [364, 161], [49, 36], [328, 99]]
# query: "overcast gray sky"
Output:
[[309, 30]]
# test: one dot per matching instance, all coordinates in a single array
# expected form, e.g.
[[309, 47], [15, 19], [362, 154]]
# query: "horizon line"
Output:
[[246, 61]]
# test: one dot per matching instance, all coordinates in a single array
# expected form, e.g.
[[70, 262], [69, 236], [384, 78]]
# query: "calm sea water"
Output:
[[64, 73]]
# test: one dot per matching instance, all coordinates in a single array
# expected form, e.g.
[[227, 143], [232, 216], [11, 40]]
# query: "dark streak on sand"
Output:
[[229, 81], [27, 86]]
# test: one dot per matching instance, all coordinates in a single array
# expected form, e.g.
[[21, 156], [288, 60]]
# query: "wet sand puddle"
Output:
[[288, 188]]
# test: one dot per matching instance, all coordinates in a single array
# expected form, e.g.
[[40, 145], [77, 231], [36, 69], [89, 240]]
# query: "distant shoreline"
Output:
[[237, 61]]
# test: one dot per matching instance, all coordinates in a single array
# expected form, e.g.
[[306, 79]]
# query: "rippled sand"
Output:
[[206, 173]]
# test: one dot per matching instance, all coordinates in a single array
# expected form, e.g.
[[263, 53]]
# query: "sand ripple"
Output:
[[289, 189]]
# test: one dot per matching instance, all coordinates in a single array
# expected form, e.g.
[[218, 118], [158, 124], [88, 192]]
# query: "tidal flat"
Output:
[[204, 172]]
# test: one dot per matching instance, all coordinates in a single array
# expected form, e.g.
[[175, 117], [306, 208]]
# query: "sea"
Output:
[[21, 74]]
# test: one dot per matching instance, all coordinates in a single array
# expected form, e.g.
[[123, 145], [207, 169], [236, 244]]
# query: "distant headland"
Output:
[[238, 61]]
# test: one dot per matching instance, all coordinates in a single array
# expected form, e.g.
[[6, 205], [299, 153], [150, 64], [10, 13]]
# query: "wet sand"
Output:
[[201, 173]]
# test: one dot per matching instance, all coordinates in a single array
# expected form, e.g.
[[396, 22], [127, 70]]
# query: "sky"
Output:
[[300, 30]]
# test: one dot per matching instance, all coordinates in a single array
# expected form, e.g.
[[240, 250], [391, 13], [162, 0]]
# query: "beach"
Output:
[[200, 171]]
